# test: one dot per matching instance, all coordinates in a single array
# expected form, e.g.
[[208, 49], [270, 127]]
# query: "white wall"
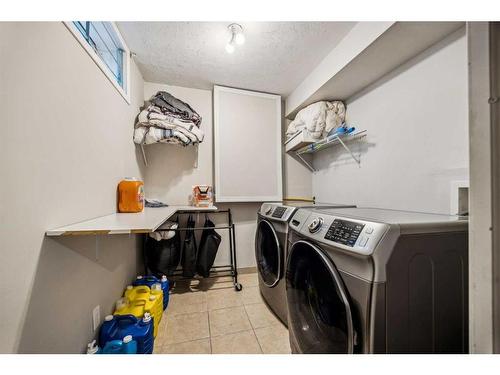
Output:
[[417, 144], [297, 179], [65, 143], [172, 172]]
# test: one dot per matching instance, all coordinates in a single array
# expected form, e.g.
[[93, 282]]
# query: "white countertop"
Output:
[[124, 223]]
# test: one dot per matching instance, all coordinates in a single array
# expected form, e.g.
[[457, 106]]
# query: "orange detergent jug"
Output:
[[130, 195]]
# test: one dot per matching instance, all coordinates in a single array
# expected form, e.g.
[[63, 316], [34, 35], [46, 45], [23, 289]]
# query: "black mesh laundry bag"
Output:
[[163, 257], [209, 244], [189, 250]]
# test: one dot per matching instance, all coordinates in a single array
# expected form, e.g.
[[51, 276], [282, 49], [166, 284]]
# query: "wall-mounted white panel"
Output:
[[247, 135]]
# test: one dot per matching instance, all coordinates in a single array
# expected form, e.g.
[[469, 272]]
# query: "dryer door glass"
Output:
[[319, 319], [268, 253]]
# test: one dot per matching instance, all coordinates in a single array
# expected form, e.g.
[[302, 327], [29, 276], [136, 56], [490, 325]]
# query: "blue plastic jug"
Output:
[[150, 280], [129, 345], [112, 347], [117, 327]]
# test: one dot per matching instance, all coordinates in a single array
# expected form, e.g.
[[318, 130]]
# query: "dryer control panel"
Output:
[[349, 234]]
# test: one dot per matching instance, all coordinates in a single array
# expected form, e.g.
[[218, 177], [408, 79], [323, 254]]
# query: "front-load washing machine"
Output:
[[270, 251], [365, 280]]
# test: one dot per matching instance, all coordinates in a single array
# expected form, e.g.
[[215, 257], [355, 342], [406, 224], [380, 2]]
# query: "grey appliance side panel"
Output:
[[359, 291], [377, 329], [427, 294]]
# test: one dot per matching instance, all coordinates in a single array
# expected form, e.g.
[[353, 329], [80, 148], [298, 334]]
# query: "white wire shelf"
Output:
[[141, 145], [330, 142]]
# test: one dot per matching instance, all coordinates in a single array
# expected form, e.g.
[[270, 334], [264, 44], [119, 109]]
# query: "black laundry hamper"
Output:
[[189, 250], [162, 257], [209, 244]]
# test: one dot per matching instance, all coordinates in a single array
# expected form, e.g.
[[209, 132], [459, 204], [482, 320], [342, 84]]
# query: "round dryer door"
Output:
[[268, 253], [319, 315]]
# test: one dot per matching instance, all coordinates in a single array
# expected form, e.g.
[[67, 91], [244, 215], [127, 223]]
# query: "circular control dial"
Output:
[[315, 225], [269, 210]]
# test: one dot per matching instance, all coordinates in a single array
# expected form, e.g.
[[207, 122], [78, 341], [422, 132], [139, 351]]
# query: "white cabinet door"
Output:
[[247, 134]]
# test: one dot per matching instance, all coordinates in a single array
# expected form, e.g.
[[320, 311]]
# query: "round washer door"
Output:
[[268, 253], [319, 314]]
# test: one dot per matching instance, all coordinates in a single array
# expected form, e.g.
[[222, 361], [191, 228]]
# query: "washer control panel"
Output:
[[349, 234], [277, 211], [344, 232]]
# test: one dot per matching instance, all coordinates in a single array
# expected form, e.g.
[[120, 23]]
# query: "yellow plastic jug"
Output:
[[143, 292]]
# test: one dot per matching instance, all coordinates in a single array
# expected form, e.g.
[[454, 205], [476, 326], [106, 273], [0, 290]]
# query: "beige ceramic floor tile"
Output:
[[273, 339], [251, 295], [260, 315], [176, 307], [236, 343], [190, 347], [188, 298], [223, 298], [248, 279], [222, 282], [228, 320], [163, 322], [182, 328]]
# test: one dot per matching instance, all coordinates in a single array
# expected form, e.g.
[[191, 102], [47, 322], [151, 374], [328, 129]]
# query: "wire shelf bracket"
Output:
[[328, 142]]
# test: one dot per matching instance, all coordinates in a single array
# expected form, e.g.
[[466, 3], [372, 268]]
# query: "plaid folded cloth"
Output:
[[155, 203]]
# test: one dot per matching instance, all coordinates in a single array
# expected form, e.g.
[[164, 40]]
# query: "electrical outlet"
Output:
[[459, 204], [96, 317]]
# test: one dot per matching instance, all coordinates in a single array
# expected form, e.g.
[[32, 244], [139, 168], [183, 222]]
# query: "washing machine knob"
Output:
[[315, 225], [269, 210]]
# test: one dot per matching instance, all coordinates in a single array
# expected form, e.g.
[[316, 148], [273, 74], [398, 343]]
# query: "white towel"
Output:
[[318, 118]]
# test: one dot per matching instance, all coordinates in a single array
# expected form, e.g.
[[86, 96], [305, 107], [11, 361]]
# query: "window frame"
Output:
[[125, 90]]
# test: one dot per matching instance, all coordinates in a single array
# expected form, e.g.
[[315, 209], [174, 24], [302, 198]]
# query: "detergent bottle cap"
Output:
[[147, 318], [92, 347], [129, 287], [108, 318], [156, 286], [164, 278], [127, 339], [152, 298], [139, 277]]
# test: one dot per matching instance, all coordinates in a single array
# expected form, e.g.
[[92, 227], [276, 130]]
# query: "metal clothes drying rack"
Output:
[[215, 271]]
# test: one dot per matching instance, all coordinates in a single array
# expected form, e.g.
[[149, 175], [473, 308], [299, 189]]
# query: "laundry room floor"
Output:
[[207, 316]]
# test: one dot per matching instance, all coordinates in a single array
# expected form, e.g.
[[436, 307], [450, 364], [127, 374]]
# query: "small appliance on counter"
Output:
[[202, 196], [131, 195]]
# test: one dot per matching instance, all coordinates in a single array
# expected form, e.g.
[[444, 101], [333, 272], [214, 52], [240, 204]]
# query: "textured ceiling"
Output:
[[275, 58]]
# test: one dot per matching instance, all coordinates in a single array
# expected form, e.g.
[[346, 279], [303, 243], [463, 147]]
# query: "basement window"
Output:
[[106, 47]]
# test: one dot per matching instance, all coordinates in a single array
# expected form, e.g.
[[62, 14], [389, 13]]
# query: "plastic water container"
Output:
[[139, 308], [118, 326], [129, 345], [112, 347], [143, 292], [125, 346], [151, 280]]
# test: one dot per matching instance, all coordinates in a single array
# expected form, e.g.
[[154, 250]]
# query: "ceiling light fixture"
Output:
[[237, 37]]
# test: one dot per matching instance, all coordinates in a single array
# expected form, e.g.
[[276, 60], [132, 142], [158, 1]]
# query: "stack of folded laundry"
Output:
[[166, 119], [318, 119]]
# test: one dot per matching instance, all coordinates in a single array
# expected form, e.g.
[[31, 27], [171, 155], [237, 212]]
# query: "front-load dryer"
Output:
[[364, 280], [270, 251]]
